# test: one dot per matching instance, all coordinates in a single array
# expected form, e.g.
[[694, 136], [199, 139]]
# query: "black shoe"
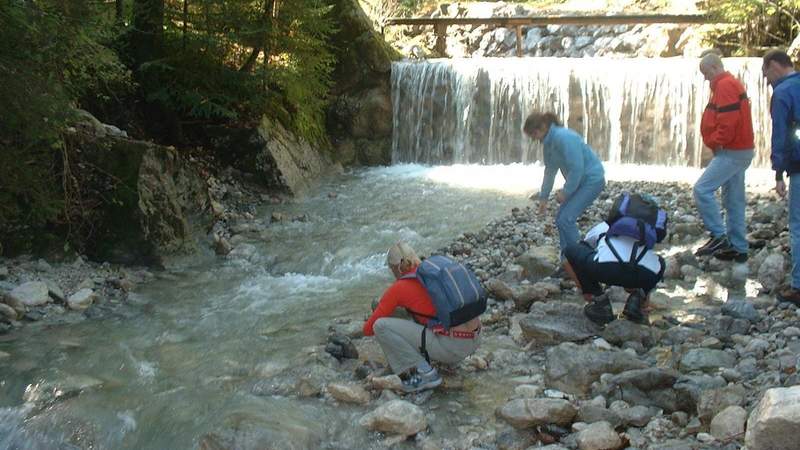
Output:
[[790, 295], [713, 244], [730, 254], [634, 308], [599, 310]]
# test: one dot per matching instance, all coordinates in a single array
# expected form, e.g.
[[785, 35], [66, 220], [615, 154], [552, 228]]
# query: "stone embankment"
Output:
[[660, 40], [716, 369]]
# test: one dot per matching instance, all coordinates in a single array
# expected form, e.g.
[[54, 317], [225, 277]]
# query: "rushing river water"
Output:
[[198, 349], [185, 357]]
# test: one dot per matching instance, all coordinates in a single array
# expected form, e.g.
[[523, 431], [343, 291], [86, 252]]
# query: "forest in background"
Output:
[[164, 69]]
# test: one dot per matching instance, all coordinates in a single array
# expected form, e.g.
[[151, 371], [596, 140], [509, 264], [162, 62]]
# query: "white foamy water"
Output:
[[629, 110]]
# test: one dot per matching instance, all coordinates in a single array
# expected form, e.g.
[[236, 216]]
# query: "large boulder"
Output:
[[573, 368], [32, 293], [774, 423], [556, 322], [149, 193]]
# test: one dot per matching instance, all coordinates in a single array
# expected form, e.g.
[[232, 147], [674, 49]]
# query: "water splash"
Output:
[[630, 110]]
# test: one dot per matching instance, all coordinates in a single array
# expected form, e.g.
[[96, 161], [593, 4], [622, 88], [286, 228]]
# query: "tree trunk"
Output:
[[146, 35], [120, 11]]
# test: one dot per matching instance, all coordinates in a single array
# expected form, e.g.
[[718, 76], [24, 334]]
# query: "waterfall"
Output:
[[639, 110]]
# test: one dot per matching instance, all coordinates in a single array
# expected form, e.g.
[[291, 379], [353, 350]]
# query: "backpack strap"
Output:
[[422, 349]]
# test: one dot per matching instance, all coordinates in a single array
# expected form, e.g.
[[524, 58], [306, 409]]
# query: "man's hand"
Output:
[[542, 207], [560, 197], [780, 188]]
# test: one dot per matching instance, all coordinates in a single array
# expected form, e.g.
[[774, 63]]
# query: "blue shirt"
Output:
[[565, 150], [785, 112]]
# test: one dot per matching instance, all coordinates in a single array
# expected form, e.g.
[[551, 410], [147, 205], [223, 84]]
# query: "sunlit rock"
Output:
[[396, 417], [775, 422]]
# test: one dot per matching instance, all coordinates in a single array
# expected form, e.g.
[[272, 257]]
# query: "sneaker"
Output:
[[790, 295], [599, 310], [420, 381], [713, 244], [730, 254], [634, 308]]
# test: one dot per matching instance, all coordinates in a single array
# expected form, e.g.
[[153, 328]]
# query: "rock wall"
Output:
[[360, 116], [143, 198]]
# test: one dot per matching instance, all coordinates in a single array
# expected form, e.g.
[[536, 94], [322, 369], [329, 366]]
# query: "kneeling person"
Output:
[[409, 346], [609, 255]]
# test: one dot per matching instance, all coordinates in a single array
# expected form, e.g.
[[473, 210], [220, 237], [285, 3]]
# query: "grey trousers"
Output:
[[400, 341]]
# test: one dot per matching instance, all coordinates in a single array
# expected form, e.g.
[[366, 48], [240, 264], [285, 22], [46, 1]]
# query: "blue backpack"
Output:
[[639, 217], [457, 295]]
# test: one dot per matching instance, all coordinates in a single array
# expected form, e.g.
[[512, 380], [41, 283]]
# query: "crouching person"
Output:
[[619, 252], [439, 331]]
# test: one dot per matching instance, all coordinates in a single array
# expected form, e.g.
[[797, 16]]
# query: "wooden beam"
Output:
[[554, 20], [440, 30]]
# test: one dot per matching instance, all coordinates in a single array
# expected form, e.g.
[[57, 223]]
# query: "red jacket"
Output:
[[406, 293], [726, 121]]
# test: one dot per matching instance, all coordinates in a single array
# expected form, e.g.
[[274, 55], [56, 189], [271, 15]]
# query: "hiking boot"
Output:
[[730, 254], [634, 308], [420, 381], [599, 310], [790, 295], [713, 244]]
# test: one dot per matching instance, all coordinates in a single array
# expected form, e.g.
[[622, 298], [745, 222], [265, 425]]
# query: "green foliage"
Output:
[[49, 60], [758, 24], [205, 69]]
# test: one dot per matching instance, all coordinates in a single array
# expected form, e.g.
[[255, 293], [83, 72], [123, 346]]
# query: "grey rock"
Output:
[[599, 436], [637, 416], [775, 422], [32, 293], [573, 368], [771, 271], [590, 413], [740, 309], [539, 262], [729, 423], [396, 417], [82, 299], [550, 323], [529, 412], [620, 332], [706, 359], [713, 401], [349, 393]]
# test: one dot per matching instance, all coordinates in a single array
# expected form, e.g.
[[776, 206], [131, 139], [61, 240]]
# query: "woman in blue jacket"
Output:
[[582, 170]]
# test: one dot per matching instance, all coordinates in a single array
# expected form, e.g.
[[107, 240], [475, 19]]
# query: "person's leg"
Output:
[[734, 201], [716, 174], [792, 294], [449, 350], [568, 213], [400, 341], [578, 262], [794, 227]]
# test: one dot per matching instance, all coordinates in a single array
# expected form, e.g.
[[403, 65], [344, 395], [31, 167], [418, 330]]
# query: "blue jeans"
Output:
[[568, 213], [794, 226], [726, 170]]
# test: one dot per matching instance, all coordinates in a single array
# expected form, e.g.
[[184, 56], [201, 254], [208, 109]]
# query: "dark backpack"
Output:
[[457, 295], [638, 217]]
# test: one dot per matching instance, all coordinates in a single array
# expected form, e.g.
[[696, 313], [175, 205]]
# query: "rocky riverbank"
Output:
[[72, 288], [716, 369]]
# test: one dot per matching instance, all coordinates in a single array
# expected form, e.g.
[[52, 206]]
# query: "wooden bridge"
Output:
[[440, 24]]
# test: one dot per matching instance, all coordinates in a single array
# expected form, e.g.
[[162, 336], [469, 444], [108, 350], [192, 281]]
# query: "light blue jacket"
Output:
[[565, 150]]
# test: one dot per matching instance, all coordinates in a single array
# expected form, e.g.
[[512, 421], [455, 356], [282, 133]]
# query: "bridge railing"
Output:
[[440, 24]]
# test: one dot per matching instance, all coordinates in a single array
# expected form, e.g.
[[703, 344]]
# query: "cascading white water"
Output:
[[630, 110]]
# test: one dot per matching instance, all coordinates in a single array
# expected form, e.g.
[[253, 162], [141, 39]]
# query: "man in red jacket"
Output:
[[727, 129]]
